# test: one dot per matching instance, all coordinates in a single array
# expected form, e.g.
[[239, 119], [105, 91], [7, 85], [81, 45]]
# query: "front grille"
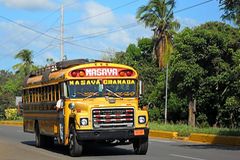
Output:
[[113, 118]]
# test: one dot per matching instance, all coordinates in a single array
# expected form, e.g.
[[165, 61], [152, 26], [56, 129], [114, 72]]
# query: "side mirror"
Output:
[[63, 91], [140, 88]]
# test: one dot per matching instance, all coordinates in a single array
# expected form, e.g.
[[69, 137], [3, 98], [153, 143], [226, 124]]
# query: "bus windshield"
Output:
[[101, 88]]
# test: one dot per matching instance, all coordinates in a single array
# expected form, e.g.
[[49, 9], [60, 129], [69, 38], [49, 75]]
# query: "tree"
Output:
[[139, 57], [27, 64], [231, 10], [158, 15], [7, 95], [50, 61], [205, 67]]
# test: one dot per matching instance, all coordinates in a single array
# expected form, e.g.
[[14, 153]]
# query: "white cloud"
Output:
[[29, 4], [15, 38], [121, 37], [187, 22], [71, 5], [91, 31], [92, 9]]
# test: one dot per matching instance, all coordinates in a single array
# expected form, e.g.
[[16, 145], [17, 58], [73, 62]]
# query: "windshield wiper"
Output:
[[95, 93], [114, 93]]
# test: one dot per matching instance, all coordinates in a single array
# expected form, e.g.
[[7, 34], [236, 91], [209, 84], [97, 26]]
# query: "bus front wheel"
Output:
[[140, 145], [75, 147]]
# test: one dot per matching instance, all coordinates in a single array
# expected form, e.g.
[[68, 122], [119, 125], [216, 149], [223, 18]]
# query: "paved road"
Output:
[[16, 145]]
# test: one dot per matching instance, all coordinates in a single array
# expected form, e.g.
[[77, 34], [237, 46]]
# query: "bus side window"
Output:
[[57, 92], [30, 95], [34, 94], [51, 93], [37, 94], [45, 93], [54, 93], [27, 96], [40, 94]]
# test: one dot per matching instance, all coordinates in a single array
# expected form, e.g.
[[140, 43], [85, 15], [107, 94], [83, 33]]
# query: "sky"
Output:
[[92, 28]]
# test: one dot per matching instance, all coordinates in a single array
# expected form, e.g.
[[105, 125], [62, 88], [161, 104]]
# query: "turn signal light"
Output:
[[129, 73], [81, 73], [77, 73], [122, 73], [126, 73], [74, 73]]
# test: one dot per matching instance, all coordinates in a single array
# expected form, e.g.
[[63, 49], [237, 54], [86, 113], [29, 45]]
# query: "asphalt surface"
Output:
[[17, 145]]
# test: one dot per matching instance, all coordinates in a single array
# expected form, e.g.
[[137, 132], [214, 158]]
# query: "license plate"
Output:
[[139, 132]]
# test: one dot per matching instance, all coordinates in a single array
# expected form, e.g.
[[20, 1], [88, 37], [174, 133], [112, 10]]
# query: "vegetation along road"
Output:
[[16, 145]]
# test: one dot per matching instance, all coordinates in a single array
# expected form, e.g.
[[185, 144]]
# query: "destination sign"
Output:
[[97, 82], [101, 72]]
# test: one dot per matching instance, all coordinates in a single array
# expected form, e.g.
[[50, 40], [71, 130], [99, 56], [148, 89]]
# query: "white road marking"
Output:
[[187, 157]]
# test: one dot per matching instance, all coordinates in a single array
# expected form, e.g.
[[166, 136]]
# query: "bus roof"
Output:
[[63, 70]]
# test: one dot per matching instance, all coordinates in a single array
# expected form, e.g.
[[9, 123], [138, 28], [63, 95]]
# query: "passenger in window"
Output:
[[59, 108], [59, 105]]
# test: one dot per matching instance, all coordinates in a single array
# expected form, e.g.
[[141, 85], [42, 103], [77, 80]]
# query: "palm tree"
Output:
[[27, 64], [158, 15], [231, 10]]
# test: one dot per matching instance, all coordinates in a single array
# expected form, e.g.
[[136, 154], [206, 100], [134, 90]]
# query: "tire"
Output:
[[49, 141], [140, 145], [75, 147], [40, 140]]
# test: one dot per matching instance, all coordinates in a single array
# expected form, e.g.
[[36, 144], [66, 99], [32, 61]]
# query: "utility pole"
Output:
[[166, 95], [62, 33]]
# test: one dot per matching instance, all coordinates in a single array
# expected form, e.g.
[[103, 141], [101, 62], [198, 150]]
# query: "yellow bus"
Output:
[[99, 101]]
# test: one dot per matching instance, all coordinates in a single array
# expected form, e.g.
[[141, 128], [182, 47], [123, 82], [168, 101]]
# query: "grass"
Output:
[[185, 130]]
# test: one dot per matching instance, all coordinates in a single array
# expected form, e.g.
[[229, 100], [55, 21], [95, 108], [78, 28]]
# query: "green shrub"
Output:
[[202, 121], [155, 114], [11, 113]]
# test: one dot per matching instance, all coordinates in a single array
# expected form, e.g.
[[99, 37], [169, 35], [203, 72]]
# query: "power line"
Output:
[[99, 34], [35, 38], [96, 33], [39, 22], [50, 46], [70, 4], [88, 48], [47, 35], [27, 27], [74, 44], [190, 7], [102, 13]]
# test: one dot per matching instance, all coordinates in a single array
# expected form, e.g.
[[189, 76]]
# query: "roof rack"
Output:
[[63, 65]]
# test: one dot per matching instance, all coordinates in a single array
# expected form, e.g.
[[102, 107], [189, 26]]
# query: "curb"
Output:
[[163, 134], [11, 123], [214, 139]]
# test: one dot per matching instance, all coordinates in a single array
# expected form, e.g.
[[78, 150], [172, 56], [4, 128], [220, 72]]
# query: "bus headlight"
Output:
[[142, 119], [83, 121], [71, 106]]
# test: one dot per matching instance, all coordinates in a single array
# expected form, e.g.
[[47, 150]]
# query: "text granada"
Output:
[[95, 82]]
